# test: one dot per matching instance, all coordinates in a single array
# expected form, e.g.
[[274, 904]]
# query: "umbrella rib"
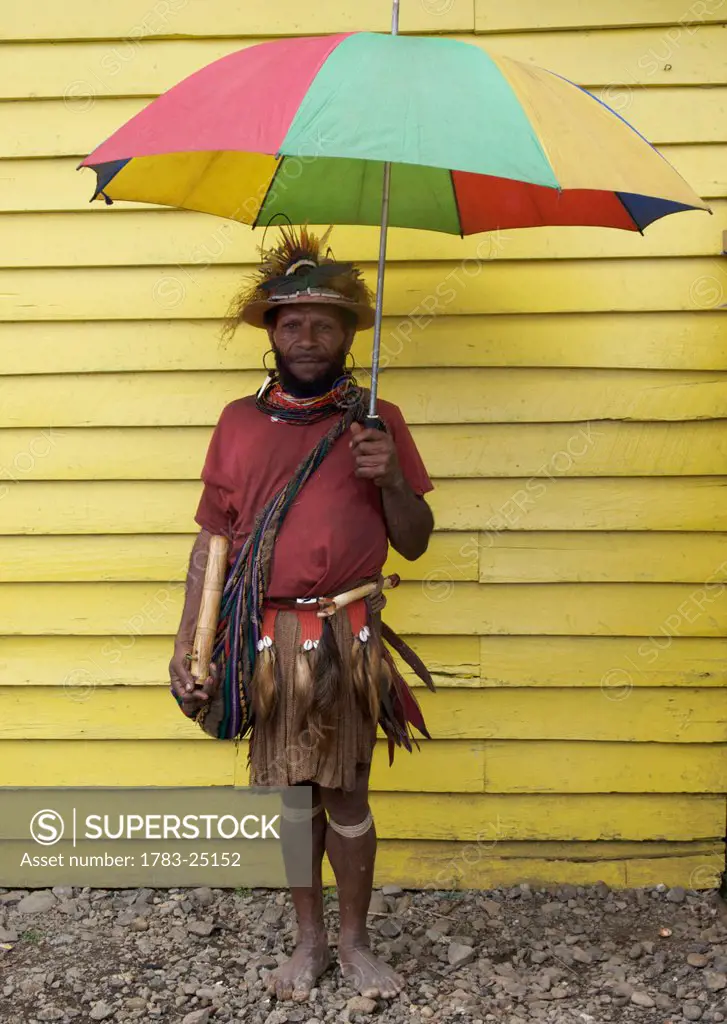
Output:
[[456, 204], [268, 191], [638, 226]]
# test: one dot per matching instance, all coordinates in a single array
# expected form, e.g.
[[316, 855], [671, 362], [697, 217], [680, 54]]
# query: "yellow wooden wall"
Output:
[[570, 400]]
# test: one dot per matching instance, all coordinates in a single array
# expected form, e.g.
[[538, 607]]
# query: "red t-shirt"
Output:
[[335, 531]]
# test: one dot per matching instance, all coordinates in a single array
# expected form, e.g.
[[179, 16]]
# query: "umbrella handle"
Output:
[[375, 423]]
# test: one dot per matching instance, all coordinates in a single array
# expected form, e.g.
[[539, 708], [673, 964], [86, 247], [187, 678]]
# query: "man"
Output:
[[343, 493]]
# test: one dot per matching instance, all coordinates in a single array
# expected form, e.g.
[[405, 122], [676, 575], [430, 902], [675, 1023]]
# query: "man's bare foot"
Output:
[[371, 976], [296, 977]]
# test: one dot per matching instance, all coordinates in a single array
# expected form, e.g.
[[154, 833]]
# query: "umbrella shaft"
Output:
[[382, 257], [380, 290]]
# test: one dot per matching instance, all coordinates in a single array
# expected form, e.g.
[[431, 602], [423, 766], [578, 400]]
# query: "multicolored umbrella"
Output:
[[368, 128]]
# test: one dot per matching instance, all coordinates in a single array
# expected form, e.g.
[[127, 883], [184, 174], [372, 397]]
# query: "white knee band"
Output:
[[352, 831], [300, 814]]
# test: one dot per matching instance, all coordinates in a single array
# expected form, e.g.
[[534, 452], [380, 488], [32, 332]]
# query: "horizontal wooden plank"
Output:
[[87, 662], [616, 664], [523, 15], [415, 292], [599, 557], [539, 766], [572, 398], [156, 237], [54, 184], [690, 504], [155, 559], [494, 818], [675, 503], [654, 715], [512, 766], [136, 20], [679, 341], [476, 450], [435, 607], [81, 72], [85, 763], [664, 115], [450, 866], [520, 821]]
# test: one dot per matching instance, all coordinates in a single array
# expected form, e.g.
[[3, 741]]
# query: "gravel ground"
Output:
[[567, 954]]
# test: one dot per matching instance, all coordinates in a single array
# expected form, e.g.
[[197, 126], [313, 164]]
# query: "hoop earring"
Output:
[[270, 369], [352, 367]]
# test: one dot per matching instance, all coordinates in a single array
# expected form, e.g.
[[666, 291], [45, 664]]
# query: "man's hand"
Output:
[[193, 693], [375, 456]]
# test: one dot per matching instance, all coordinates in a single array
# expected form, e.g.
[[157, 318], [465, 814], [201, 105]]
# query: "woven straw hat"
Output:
[[294, 272]]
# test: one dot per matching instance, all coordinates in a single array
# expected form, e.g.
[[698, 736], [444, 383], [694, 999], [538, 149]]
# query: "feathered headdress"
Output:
[[294, 271]]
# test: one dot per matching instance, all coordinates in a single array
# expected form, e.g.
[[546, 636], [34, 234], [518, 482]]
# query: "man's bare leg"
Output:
[[296, 977], [352, 858]]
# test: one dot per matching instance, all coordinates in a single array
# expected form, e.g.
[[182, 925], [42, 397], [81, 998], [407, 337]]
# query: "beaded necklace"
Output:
[[272, 400]]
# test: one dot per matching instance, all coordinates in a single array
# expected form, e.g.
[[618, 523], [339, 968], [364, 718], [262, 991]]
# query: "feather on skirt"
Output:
[[287, 746]]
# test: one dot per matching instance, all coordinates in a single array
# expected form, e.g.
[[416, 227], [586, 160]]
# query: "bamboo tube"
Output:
[[330, 605], [209, 608]]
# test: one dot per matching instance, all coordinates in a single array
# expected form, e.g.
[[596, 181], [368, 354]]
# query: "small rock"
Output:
[[136, 1003], [392, 890], [139, 924], [459, 955], [8, 935], [635, 951], [389, 928], [426, 1012], [378, 904], [642, 999], [197, 1017], [714, 980], [36, 902], [101, 1011], [273, 915], [492, 908], [678, 895], [360, 1004], [201, 928], [277, 1017], [203, 896], [14, 896], [63, 892], [692, 1011], [581, 955], [50, 1013], [697, 959]]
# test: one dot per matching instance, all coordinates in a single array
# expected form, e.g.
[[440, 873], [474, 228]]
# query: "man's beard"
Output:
[[292, 385]]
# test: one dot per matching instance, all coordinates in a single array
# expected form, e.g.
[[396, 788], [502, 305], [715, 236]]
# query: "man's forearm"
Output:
[[409, 520], [193, 589]]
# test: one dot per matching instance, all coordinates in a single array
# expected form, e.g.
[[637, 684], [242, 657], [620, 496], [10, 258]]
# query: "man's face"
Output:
[[311, 342]]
